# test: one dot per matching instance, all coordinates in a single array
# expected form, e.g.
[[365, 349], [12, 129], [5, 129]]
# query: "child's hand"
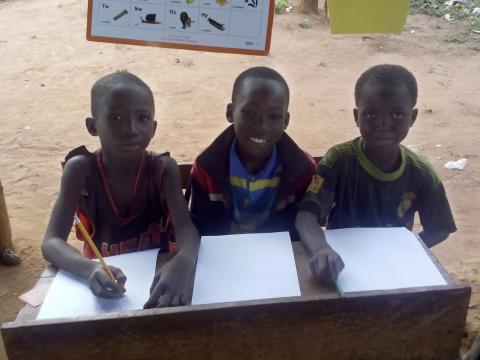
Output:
[[171, 283], [326, 265], [101, 284]]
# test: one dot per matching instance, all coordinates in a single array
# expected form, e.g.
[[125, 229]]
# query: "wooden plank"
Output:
[[381, 325]]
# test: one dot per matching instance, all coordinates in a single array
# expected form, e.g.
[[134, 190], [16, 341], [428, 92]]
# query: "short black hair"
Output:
[[261, 72], [107, 83], [388, 74]]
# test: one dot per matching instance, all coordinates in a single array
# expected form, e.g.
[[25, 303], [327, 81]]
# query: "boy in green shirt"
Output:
[[373, 181]]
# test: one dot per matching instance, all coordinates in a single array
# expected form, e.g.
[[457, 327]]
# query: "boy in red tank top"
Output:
[[125, 196]]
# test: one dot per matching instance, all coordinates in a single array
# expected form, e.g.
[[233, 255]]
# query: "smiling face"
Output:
[[384, 114], [123, 120], [259, 115]]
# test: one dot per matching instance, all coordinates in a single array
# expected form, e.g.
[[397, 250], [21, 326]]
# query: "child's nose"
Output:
[[386, 122], [260, 122], [129, 127]]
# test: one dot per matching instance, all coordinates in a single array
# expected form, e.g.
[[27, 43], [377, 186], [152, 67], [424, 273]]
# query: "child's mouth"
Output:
[[258, 140], [383, 136], [132, 146]]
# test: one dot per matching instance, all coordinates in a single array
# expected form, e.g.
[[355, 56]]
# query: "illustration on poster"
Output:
[[150, 19], [216, 25], [120, 14], [185, 19]]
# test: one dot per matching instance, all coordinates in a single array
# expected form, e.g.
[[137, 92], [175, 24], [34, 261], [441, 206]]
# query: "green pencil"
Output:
[[339, 289]]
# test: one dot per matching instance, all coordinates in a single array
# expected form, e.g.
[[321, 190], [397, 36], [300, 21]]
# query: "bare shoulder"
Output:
[[165, 162], [77, 169]]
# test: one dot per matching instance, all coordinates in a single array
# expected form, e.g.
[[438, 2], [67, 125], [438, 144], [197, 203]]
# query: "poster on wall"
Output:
[[228, 26]]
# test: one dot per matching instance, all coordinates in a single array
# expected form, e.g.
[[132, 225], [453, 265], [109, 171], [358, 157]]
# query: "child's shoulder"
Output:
[[76, 170], [164, 162], [341, 152], [162, 158], [420, 165], [78, 161]]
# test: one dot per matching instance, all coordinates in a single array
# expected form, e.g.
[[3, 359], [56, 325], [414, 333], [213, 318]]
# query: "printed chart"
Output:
[[235, 26]]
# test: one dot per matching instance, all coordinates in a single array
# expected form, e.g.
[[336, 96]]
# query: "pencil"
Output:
[[339, 289], [94, 248]]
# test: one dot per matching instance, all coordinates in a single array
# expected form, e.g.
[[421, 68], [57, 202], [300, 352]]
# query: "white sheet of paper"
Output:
[[382, 259], [245, 267], [71, 296]]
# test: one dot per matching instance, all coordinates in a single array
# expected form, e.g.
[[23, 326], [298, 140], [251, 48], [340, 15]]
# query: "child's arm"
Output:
[[55, 247], [315, 207], [432, 238], [171, 283], [325, 263], [436, 216]]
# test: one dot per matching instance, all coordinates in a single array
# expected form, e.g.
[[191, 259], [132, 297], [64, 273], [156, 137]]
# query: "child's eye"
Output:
[[115, 117], [248, 112], [371, 115], [275, 116], [144, 118], [397, 115]]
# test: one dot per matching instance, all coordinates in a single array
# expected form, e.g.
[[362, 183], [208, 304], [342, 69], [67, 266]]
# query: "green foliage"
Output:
[[428, 7], [305, 24], [461, 12], [281, 6]]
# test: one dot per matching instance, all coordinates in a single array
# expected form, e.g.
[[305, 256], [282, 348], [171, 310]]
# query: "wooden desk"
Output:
[[417, 323]]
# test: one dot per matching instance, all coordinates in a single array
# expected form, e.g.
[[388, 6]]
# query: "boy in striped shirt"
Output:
[[251, 176]]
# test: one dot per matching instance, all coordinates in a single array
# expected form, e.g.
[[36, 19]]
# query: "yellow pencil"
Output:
[[94, 248]]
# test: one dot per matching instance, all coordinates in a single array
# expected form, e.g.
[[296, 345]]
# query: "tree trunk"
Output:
[[309, 6], [5, 229]]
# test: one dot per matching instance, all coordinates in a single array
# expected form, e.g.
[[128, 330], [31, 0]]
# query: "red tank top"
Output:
[[145, 227]]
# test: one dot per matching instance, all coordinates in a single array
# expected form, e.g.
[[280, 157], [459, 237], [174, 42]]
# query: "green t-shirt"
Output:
[[350, 191]]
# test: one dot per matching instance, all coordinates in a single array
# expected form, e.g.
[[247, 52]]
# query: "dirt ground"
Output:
[[47, 68]]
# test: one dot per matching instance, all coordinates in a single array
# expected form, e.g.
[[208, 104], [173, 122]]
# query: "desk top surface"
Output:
[[308, 286]]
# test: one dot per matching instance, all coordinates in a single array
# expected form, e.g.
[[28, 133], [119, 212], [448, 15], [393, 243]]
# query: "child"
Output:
[[7, 256], [373, 181], [250, 177], [124, 195]]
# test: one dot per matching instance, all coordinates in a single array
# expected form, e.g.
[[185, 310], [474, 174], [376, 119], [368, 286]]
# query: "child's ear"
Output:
[[287, 120], [91, 127], [355, 115], [154, 128], [229, 113], [414, 116]]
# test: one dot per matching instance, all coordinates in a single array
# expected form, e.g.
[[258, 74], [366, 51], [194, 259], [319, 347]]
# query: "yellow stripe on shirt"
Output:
[[238, 182], [264, 183], [254, 185]]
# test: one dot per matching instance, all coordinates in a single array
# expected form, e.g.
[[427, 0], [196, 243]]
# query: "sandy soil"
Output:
[[47, 68]]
